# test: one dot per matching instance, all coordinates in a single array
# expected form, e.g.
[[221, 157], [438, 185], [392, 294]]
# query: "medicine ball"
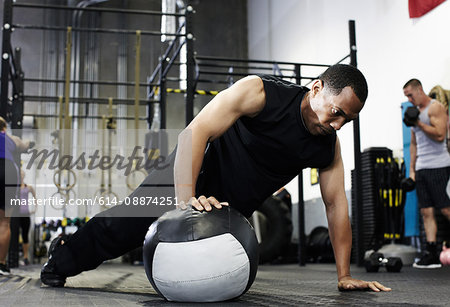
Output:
[[193, 256]]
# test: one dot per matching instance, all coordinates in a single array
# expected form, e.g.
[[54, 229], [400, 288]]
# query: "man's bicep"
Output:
[[438, 118], [332, 179], [245, 98]]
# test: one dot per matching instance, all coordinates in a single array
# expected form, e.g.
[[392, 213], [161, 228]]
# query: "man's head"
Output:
[[335, 98], [414, 92], [339, 76], [3, 124]]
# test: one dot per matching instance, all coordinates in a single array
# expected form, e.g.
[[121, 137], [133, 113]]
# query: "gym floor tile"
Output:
[[114, 284]]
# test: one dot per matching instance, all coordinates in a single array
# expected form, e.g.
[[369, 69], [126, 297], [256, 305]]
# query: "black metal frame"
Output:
[[357, 157], [11, 69], [6, 59], [94, 9], [96, 30]]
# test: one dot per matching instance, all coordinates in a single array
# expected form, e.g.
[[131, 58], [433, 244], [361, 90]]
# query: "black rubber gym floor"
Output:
[[114, 284]]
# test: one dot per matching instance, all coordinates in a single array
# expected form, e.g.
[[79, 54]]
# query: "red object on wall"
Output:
[[418, 8]]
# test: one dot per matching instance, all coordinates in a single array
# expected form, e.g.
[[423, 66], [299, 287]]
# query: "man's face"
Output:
[[331, 112], [413, 94]]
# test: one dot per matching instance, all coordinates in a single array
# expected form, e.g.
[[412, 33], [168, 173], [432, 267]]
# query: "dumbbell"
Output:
[[411, 115], [408, 184], [376, 260]]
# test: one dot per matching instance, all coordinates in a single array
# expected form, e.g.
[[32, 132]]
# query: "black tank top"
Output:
[[259, 155]]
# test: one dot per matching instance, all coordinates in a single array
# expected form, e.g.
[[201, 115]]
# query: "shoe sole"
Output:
[[57, 283], [427, 266], [4, 273]]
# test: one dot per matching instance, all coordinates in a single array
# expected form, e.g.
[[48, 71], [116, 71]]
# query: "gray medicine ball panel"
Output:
[[222, 274]]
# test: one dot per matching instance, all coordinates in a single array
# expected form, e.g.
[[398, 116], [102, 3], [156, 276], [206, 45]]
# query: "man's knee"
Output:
[[427, 213], [446, 212], [5, 222]]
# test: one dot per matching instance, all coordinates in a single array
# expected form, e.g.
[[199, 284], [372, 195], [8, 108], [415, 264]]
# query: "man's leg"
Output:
[[102, 238], [430, 256], [430, 187], [429, 223], [446, 212], [110, 233]]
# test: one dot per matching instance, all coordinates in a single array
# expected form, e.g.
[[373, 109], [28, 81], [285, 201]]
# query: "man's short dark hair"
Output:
[[412, 83], [339, 76]]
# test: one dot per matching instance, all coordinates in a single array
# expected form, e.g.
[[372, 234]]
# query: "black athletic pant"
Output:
[[24, 225], [113, 232]]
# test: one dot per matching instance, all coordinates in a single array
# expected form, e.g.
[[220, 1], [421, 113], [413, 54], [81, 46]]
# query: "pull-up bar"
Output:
[[94, 9], [96, 30]]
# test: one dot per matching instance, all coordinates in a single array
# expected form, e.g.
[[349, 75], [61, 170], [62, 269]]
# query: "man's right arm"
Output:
[[413, 155], [245, 98], [437, 129]]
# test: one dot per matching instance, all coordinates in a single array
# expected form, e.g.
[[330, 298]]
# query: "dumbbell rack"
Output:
[[372, 226]]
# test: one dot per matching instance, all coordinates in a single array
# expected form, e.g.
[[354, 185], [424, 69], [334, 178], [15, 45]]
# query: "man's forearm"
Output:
[[187, 166], [341, 238], [433, 133], [413, 156]]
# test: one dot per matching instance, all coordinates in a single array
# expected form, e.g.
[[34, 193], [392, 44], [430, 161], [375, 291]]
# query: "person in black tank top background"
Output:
[[248, 142]]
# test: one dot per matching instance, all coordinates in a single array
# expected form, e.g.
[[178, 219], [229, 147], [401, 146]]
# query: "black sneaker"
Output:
[[49, 276], [428, 261], [4, 270], [26, 261]]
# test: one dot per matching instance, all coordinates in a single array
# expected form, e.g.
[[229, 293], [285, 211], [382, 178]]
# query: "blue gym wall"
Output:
[[411, 210]]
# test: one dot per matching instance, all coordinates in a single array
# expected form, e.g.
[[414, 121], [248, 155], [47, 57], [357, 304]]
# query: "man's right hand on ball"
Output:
[[203, 203]]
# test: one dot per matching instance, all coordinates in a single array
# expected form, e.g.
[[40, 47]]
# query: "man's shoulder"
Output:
[[282, 82], [436, 107], [251, 81], [275, 79]]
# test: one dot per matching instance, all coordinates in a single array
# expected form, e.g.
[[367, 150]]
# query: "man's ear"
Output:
[[316, 87]]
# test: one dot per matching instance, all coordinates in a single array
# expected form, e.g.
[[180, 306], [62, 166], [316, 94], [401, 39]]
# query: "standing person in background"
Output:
[[25, 220], [430, 165], [9, 181]]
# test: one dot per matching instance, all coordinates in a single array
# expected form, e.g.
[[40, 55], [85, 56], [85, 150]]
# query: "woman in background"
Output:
[[10, 146]]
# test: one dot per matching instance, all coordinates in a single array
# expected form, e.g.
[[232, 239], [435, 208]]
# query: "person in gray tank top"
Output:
[[430, 165]]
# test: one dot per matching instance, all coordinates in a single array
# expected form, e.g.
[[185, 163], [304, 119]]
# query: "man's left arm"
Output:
[[333, 194]]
